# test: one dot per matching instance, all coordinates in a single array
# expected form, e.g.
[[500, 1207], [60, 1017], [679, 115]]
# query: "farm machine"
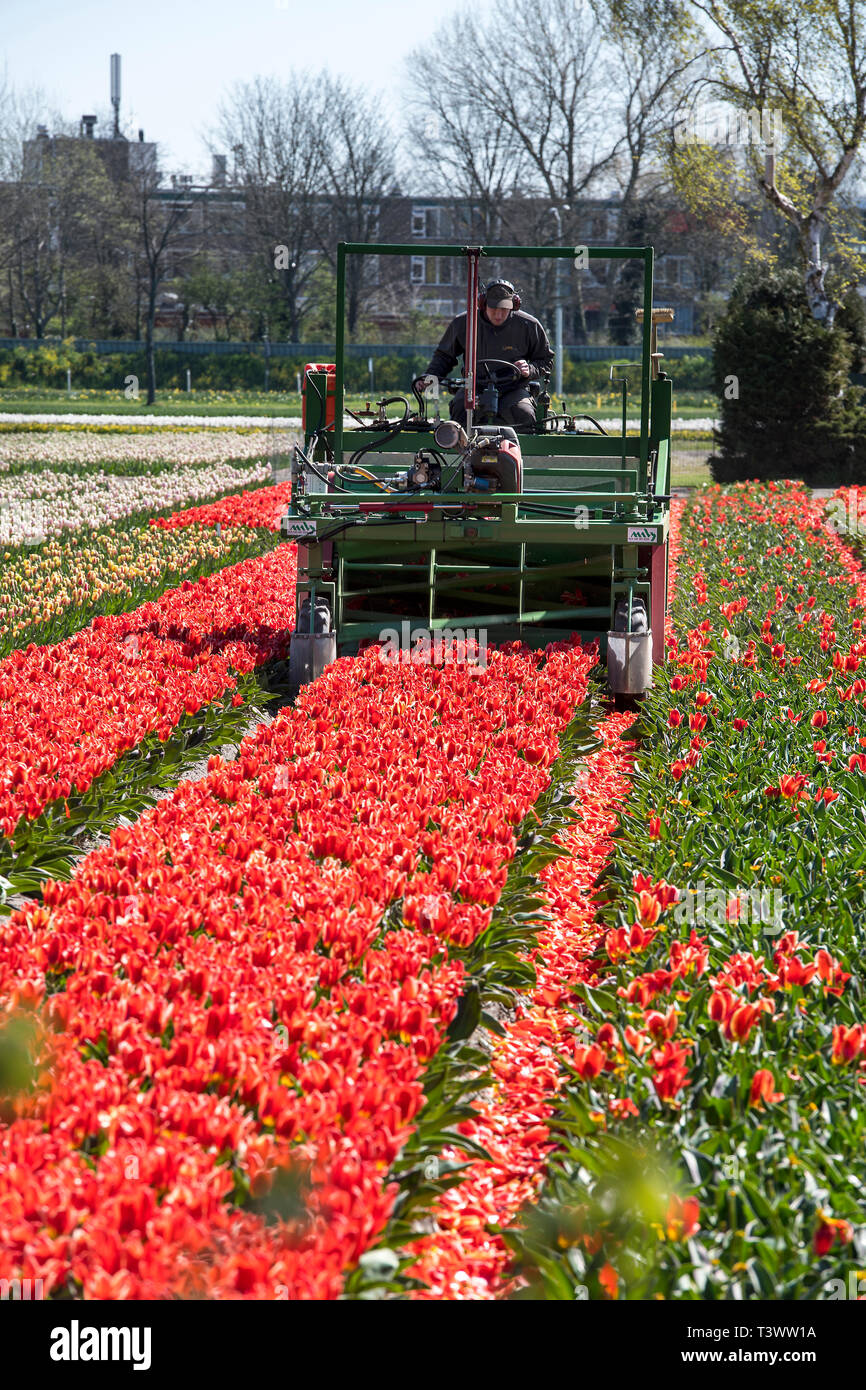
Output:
[[412, 523]]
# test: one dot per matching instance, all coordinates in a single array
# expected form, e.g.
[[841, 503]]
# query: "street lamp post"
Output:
[[558, 330]]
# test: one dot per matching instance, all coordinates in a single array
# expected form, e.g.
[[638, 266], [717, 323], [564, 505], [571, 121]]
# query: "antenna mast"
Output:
[[115, 92]]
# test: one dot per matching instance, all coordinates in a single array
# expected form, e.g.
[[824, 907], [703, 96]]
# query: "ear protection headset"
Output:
[[506, 285]]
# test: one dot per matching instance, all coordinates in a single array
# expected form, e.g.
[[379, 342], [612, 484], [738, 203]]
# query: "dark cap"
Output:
[[498, 297]]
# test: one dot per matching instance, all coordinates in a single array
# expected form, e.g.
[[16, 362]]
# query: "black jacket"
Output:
[[520, 336]]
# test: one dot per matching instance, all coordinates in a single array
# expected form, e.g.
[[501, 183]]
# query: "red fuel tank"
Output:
[[311, 405]]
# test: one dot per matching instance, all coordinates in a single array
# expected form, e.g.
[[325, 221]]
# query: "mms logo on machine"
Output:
[[642, 535]]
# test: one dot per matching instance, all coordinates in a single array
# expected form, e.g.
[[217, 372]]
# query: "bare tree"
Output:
[[160, 222], [358, 164], [458, 141], [275, 131], [653, 49], [25, 243]]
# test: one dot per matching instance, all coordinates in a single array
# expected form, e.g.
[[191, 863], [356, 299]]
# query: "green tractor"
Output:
[[419, 533]]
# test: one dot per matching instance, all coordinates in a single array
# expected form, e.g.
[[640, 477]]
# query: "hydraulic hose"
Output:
[[347, 526], [322, 405], [395, 428], [593, 421], [322, 476]]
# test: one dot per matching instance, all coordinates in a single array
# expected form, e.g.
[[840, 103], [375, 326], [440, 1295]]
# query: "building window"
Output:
[[418, 270], [439, 270], [426, 222]]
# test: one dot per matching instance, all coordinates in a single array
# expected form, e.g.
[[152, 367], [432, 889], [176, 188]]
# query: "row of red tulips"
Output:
[[262, 507], [245, 987], [68, 712], [466, 1257]]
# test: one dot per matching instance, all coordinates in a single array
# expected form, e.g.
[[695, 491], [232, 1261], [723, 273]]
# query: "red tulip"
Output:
[[848, 1043], [829, 1231], [681, 1220], [661, 1026], [763, 1090], [588, 1062]]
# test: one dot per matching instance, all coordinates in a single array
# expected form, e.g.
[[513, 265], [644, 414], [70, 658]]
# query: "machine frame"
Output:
[[593, 507]]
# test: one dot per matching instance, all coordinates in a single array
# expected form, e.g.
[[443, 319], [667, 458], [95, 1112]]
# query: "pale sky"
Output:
[[178, 56]]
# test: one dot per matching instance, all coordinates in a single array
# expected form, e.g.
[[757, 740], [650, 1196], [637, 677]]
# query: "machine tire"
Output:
[[639, 618], [321, 619]]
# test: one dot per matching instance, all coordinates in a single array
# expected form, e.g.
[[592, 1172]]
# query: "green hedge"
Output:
[[687, 373], [47, 366]]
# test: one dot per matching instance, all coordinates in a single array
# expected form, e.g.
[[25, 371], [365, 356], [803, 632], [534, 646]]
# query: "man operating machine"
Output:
[[513, 356]]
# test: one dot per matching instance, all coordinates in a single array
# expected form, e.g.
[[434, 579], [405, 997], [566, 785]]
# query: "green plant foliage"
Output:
[[787, 408], [772, 1187]]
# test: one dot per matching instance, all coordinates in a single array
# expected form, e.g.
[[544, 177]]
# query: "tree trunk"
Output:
[[294, 320], [579, 314], [148, 339], [13, 322], [822, 306], [352, 310]]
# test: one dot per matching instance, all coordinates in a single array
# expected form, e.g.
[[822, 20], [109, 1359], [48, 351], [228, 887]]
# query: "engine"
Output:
[[494, 463]]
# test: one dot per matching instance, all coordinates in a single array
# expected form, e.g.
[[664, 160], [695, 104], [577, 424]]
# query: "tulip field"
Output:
[[440, 982]]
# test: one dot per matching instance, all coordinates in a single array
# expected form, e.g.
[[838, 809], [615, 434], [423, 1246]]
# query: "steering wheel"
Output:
[[492, 369]]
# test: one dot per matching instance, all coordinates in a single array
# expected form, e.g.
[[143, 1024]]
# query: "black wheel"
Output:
[[639, 618], [321, 618]]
